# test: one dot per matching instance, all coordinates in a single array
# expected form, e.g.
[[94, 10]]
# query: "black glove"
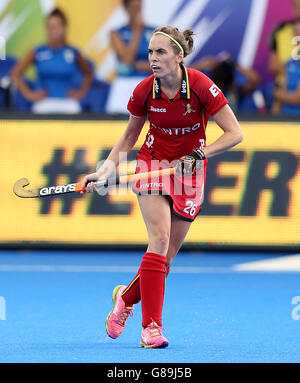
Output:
[[190, 163]]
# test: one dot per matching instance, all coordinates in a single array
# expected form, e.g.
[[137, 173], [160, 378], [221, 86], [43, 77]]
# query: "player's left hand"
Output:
[[190, 163]]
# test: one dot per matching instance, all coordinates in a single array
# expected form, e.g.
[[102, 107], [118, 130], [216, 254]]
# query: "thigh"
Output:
[[179, 230]]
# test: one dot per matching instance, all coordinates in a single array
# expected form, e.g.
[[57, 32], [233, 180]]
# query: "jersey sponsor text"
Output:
[[178, 131], [152, 184], [161, 110]]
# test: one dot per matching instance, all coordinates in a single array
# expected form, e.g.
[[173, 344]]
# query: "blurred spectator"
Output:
[[96, 97], [236, 82], [130, 42], [287, 95], [5, 81], [56, 65], [281, 44]]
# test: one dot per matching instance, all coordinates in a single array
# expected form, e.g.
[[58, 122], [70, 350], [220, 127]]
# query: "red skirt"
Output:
[[186, 192]]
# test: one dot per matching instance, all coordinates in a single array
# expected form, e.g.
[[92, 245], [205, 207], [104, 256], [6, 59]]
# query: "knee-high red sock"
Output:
[[132, 293], [152, 287]]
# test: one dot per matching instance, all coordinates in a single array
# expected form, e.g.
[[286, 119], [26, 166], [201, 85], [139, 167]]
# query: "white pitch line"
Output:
[[68, 268], [290, 264], [279, 264], [107, 269]]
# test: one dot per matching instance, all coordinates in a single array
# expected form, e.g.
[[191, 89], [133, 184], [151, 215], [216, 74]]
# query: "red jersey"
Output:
[[176, 126]]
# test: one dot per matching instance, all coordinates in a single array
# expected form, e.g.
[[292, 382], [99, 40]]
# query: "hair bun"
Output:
[[187, 34]]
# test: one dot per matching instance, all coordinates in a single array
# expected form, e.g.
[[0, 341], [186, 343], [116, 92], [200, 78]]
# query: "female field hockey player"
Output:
[[178, 103]]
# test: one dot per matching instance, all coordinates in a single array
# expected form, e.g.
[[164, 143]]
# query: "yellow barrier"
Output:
[[252, 195]]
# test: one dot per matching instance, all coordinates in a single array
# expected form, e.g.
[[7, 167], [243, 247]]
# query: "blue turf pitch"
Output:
[[57, 302]]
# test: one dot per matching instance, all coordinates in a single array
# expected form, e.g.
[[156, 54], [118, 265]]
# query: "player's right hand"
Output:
[[88, 181]]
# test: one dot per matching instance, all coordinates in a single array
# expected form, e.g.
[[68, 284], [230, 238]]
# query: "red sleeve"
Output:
[[210, 95], [136, 102]]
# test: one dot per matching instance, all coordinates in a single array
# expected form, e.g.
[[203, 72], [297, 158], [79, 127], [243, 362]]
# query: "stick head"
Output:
[[20, 191]]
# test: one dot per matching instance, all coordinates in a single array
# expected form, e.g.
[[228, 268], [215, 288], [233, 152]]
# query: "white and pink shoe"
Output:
[[152, 337], [116, 319]]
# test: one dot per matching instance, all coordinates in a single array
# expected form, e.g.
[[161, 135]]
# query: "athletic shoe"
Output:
[[116, 319], [152, 337]]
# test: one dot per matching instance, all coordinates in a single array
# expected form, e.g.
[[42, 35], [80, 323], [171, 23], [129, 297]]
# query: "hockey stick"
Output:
[[20, 190]]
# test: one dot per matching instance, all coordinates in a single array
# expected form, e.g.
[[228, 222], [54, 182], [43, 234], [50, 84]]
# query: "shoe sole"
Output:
[[115, 292], [162, 345]]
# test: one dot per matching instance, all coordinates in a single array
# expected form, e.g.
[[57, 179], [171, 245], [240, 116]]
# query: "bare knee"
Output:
[[159, 243]]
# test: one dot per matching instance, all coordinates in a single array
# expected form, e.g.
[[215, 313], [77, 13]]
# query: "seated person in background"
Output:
[[130, 42], [235, 81], [287, 96], [281, 44], [56, 63], [5, 81]]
